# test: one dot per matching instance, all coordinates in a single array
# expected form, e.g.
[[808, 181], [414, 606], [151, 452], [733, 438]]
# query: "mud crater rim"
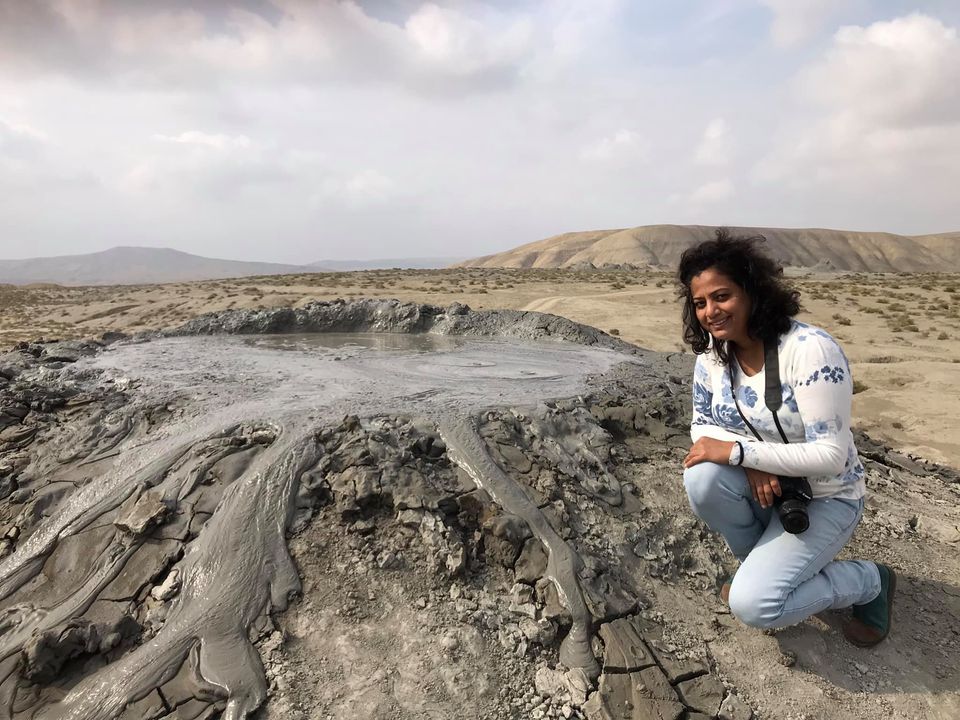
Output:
[[276, 387]]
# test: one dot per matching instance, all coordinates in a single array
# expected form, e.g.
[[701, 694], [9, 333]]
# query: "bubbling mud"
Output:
[[211, 436]]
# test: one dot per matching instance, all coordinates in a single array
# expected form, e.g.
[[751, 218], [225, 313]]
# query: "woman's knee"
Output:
[[752, 606], [701, 483]]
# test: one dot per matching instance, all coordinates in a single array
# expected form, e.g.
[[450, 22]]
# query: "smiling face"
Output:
[[722, 306]]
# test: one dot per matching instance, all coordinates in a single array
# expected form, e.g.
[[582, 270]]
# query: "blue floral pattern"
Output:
[[748, 396], [727, 416], [789, 399], [819, 430], [816, 386], [702, 400], [827, 373]]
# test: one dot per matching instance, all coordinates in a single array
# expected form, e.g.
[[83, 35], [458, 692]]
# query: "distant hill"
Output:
[[134, 266], [660, 246], [428, 263]]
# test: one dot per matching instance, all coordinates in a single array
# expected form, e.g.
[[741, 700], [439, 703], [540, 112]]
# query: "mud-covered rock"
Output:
[[504, 537], [142, 513], [45, 653], [703, 694], [532, 562]]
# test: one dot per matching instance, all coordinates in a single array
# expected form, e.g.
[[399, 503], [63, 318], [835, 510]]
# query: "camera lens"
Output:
[[793, 516]]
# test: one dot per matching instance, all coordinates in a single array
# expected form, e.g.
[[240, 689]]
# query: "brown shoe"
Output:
[[871, 622]]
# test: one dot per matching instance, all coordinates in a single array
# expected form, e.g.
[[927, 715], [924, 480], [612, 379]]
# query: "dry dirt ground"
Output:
[[900, 331]]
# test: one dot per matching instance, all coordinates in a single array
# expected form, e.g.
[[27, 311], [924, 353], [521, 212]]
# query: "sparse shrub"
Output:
[[897, 424], [841, 320], [613, 331], [859, 387], [943, 336]]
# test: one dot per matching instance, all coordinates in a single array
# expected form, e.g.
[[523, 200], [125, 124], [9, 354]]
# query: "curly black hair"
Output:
[[739, 257]]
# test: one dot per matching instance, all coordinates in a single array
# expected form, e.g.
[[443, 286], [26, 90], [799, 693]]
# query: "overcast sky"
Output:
[[294, 131]]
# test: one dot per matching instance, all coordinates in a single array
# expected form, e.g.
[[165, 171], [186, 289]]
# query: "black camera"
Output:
[[791, 505]]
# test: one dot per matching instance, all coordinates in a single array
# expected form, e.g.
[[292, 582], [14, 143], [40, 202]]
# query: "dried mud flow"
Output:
[[372, 509]]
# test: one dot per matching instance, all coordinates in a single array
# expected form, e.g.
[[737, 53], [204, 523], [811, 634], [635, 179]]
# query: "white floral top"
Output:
[[815, 415]]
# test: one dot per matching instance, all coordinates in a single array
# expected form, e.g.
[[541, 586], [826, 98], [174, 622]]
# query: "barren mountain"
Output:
[[134, 266], [660, 246]]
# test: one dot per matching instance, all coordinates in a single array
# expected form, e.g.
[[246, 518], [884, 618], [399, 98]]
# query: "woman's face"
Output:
[[722, 306]]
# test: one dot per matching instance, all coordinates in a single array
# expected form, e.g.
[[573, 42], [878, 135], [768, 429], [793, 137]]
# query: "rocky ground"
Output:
[[420, 595]]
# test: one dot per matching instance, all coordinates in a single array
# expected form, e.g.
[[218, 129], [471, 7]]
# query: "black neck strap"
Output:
[[772, 395]]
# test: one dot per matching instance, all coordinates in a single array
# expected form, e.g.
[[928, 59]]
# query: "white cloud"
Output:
[[31, 166], [794, 21], [361, 189], [622, 145], [452, 42], [712, 192], [714, 148], [215, 141], [212, 165], [575, 26], [20, 140], [437, 49], [900, 72], [888, 103], [876, 134]]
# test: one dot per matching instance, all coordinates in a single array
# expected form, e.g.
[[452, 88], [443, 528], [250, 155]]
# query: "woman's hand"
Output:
[[706, 449], [764, 486]]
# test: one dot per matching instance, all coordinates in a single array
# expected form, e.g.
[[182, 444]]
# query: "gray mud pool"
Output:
[[167, 498], [282, 375]]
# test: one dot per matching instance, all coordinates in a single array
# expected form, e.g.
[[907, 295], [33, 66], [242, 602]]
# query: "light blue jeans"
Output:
[[783, 578]]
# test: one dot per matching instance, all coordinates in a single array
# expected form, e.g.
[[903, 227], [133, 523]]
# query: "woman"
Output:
[[734, 299]]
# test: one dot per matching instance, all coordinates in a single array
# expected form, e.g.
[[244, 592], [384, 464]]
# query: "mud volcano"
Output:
[[456, 471]]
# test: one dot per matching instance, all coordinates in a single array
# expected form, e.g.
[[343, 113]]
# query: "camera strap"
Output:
[[772, 395]]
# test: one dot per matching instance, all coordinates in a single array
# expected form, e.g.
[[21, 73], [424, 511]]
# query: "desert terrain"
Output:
[[415, 594], [901, 331]]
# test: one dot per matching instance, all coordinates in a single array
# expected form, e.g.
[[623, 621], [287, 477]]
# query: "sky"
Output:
[[294, 130]]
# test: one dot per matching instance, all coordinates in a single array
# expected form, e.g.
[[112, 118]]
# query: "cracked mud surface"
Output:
[[475, 522]]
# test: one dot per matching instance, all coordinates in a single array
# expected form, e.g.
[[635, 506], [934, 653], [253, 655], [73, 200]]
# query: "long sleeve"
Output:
[[704, 423], [819, 374]]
